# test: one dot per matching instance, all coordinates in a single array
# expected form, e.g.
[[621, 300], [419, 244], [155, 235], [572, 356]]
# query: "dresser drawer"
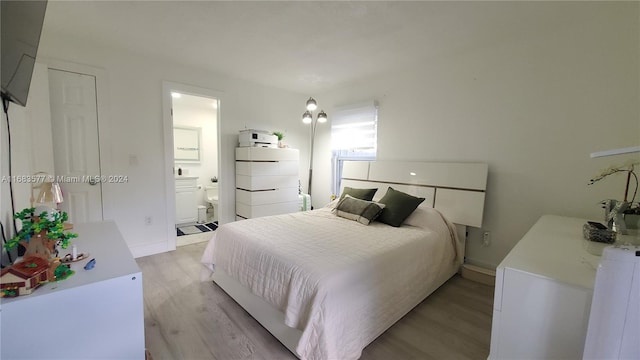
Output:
[[266, 197], [248, 211], [260, 153], [266, 182], [258, 168]]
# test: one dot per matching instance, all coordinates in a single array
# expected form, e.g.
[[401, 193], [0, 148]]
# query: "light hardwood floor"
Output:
[[189, 319]]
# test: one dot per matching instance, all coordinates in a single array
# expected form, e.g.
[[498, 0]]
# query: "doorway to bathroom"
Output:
[[193, 160]]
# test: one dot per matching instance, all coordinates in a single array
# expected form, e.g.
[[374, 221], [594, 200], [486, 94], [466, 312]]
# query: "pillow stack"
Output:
[[393, 209]]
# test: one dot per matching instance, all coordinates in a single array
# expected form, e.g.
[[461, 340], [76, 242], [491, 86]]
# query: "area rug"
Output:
[[196, 229]]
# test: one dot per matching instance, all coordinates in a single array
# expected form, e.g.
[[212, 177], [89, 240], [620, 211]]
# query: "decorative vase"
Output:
[[615, 216]]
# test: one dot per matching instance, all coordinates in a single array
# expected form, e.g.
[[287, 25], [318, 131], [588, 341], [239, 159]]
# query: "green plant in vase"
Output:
[[41, 235], [280, 136], [615, 210]]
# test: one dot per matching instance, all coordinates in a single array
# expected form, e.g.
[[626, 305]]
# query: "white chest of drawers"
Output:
[[266, 181]]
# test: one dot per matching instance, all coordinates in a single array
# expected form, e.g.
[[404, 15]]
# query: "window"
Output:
[[354, 135]]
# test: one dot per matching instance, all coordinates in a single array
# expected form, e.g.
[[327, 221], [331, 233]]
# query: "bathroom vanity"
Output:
[[186, 199]]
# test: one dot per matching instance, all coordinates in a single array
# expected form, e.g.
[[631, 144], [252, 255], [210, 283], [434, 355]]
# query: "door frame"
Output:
[[170, 187], [102, 106]]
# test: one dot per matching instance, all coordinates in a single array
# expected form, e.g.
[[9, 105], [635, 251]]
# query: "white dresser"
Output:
[[266, 181], [543, 293], [94, 314]]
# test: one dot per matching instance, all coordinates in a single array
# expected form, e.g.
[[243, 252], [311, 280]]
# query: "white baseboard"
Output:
[[478, 274], [162, 246], [149, 249], [193, 238], [481, 264]]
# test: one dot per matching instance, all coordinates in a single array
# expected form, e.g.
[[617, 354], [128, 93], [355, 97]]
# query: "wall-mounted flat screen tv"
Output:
[[21, 27]]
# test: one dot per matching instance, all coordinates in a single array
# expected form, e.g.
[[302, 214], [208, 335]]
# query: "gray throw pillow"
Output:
[[362, 194], [398, 206], [358, 210]]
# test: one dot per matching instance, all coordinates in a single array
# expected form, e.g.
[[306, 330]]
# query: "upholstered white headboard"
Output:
[[457, 190]]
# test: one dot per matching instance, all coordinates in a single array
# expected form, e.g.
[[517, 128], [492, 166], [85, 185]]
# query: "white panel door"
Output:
[[76, 153]]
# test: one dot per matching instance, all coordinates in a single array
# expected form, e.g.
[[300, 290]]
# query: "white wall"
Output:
[[135, 127], [31, 149], [532, 108]]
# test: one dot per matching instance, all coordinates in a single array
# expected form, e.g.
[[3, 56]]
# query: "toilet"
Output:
[[211, 193]]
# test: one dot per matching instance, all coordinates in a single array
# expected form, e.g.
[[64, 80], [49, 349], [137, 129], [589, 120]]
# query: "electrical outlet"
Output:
[[147, 220], [486, 239]]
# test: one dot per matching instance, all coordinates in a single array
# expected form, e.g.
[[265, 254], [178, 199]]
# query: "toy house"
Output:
[[23, 277]]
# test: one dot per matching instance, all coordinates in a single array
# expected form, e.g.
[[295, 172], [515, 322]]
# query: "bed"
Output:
[[326, 285]]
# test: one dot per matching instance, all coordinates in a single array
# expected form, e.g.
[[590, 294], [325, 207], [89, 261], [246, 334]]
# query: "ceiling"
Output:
[[306, 46]]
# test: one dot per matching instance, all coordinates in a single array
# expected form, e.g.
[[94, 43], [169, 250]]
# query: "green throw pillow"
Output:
[[398, 207], [362, 194], [361, 211]]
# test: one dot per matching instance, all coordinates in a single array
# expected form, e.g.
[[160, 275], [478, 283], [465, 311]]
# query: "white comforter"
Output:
[[338, 281]]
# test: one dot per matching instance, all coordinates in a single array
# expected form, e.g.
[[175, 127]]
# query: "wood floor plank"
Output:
[[189, 319]]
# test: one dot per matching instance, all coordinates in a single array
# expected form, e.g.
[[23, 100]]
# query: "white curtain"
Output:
[[354, 127]]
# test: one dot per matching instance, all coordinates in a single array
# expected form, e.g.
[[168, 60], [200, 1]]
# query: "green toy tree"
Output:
[[47, 227]]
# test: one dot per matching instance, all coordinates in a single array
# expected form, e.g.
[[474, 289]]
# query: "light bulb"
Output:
[[322, 116], [311, 104], [306, 117]]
